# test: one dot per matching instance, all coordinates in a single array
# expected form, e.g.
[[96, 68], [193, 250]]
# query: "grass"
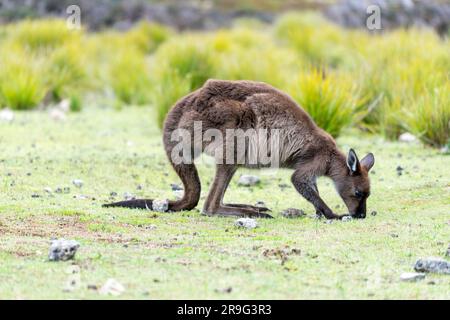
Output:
[[187, 255]]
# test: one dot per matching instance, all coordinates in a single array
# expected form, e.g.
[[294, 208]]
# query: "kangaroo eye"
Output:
[[358, 194]]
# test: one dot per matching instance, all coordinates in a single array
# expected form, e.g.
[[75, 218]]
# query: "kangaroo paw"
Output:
[[259, 209], [241, 211]]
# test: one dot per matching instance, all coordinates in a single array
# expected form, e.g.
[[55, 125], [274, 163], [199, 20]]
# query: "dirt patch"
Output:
[[281, 253]]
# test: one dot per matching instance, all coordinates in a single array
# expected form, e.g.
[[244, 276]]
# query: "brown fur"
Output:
[[306, 148]]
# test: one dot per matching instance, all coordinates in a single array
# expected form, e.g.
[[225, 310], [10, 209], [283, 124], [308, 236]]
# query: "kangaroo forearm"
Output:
[[306, 187]]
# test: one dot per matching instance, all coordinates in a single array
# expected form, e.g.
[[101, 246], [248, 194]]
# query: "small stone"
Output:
[[347, 218], [176, 187], [59, 190], [293, 213], [160, 205], [6, 115], [407, 137], [77, 183], [112, 287], [248, 180], [62, 250], [247, 223], [57, 114], [412, 276], [73, 282], [48, 190], [399, 168], [35, 195], [113, 194], [432, 264], [128, 196], [374, 213], [64, 105], [66, 190], [80, 197], [260, 203]]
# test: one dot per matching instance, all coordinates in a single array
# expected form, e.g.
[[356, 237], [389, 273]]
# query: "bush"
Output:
[[147, 37], [65, 70], [329, 98], [429, 116], [128, 76], [21, 85], [41, 34]]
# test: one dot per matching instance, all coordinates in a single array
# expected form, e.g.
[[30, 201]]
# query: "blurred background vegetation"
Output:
[[151, 53]]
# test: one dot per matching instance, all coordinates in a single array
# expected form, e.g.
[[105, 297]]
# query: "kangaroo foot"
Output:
[[236, 205], [228, 211]]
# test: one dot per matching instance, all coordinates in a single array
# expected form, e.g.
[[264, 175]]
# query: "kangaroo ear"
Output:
[[353, 162], [368, 161]]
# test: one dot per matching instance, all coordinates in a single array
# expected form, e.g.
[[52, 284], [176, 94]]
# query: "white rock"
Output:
[[77, 183], [347, 218], [246, 223], [112, 287], [128, 196], [432, 264], [57, 114], [6, 115], [62, 249], [248, 180], [48, 190], [412, 276], [160, 205], [64, 105], [407, 137]]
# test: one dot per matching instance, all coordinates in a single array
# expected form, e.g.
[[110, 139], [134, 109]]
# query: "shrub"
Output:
[[329, 98], [41, 34], [147, 37], [21, 85], [65, 70], [240, 55], [429, 116], [169, 88], [188, 57], [315, 39], [128, 76]]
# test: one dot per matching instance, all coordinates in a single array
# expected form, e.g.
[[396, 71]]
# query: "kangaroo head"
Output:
[[354, 185]]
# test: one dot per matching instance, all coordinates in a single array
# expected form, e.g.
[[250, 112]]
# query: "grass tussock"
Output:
[[385, 83]]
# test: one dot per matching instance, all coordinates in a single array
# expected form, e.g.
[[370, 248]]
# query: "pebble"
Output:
[[160, 205], [347, 218], [247, 223], [62, 250], [112, 287], [432, 264], [77, 183], [128, 196], [412, 276], [373, 213], [407, 137], [248, 180], [293, 213], [176, 187], [6, 115], [48, 190]]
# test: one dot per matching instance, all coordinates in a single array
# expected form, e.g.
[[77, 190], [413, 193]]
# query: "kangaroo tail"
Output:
[[188, 175], [186, 171]]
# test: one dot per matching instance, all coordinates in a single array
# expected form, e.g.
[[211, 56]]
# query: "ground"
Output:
[[191, 256]]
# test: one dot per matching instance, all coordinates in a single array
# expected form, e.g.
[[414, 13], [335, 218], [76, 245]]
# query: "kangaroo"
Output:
[[304, 147]]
